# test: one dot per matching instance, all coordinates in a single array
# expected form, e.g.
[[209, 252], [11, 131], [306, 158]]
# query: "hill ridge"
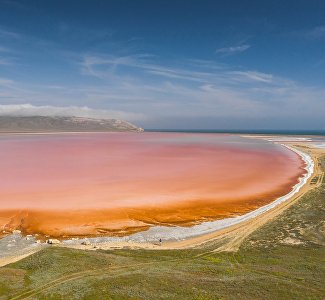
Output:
[[28, 124]]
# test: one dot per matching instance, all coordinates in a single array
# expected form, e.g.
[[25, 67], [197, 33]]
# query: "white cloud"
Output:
[[316, 33], [5, 62], [10, 34], [151, 92], [48, 110], [106, 67], [233, 50], [4, 49], [6, 82], [252, 76]]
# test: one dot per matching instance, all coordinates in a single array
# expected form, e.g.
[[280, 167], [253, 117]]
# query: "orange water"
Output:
[[118, 183]]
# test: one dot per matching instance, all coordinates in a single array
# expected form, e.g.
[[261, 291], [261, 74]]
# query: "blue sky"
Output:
[[166, 64]]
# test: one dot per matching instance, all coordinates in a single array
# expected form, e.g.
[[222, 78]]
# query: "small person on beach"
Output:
[[160, 240]]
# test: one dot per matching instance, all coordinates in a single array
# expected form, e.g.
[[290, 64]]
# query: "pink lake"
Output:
[[119, 183]]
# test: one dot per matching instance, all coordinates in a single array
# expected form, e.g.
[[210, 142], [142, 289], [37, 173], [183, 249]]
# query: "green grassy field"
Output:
[[284, 259]]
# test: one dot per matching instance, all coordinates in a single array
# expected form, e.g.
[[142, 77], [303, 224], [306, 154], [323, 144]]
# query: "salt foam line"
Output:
[[180, 233]]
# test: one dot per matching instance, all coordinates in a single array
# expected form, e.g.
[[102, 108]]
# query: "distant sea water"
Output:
[[246, 131], [315, 138]]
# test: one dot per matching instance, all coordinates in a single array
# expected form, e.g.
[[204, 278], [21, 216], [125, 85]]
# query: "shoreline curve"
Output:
[[178, 233]]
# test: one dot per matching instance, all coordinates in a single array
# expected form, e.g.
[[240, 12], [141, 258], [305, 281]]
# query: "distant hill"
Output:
[[63, 124]]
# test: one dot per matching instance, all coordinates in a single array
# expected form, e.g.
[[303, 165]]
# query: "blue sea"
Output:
[[240, 131]]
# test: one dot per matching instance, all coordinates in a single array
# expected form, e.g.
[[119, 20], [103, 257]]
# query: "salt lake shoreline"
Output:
[[177, 237], [177, 233]]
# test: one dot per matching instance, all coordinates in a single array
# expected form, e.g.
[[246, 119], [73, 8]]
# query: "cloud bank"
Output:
[[156, 93], [233, 50], [48, 110]]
